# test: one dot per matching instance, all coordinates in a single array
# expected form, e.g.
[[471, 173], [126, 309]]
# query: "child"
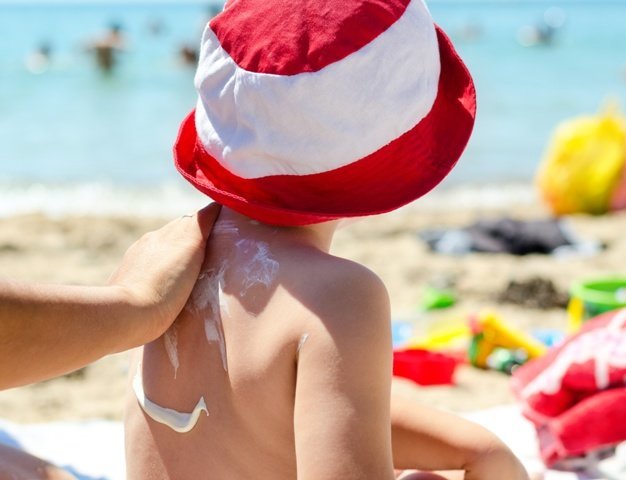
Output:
[[279, 367]]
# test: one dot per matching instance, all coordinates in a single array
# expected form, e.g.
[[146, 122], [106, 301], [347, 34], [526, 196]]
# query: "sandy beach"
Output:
[[85, 250]]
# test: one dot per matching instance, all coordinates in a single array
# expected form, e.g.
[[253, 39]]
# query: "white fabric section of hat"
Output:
[[257, 124]]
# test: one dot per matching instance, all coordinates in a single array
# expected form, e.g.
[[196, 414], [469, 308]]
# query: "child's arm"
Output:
[[427, 439], [341, 417]]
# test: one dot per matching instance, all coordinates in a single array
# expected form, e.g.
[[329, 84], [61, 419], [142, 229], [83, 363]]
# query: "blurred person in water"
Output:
[[107, 47]]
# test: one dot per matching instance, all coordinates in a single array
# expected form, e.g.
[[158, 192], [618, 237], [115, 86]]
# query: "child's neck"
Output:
[[318, 236]]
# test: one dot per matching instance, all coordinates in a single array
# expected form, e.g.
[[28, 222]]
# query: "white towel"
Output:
[[90, 450], [94, 450]]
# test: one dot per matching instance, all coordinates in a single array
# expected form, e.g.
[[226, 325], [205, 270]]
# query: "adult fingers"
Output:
[[206, 218]]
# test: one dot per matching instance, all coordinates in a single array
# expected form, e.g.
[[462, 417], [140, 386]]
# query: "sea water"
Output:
[[73, 139]]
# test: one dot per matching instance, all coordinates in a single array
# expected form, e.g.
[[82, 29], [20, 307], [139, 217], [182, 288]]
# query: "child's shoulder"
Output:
[[347, 277], [347, 322], [342, 292], [328, 275]]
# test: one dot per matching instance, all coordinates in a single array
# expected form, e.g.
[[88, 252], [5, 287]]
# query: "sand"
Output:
[[85, 250]]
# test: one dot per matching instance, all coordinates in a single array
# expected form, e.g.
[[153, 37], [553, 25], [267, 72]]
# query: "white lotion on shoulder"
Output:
[[301, 343], [225, 227], [260, 267], [223, 301], [170, 339], [207, 297], [177, 421]]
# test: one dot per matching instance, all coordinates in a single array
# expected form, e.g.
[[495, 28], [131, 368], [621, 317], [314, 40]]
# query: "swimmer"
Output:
[[188, 56], [39, 61], [107, 47]]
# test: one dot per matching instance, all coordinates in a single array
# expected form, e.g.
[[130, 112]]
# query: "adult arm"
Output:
[[341, 416], [48, 330]]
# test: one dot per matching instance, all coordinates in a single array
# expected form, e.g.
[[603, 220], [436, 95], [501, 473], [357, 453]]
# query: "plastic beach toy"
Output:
[[506, 360], [490, 332], [451, 337], [401, 332], [424, 367], [593, 297], [437, 298]]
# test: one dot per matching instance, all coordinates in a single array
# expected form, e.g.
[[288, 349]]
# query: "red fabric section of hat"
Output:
[[396, 174], [287, 37]]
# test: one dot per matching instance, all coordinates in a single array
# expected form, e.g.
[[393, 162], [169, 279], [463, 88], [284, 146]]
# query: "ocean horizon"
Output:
[[69, 131]]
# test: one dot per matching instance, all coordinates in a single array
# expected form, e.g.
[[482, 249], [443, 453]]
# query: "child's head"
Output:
[[315, 110]]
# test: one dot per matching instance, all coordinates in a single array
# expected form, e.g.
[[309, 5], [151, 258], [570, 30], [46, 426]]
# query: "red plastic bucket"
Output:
[[424, 367]]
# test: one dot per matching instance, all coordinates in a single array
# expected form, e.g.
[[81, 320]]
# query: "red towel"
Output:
[[576, 393]]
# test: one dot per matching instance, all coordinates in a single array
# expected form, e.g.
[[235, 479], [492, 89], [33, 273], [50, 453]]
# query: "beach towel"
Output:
[[511, 236], [519, 434], [575, 395], [93, 450], [90, 450]]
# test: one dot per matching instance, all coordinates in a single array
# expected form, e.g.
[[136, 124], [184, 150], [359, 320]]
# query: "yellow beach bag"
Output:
[[584, 163]]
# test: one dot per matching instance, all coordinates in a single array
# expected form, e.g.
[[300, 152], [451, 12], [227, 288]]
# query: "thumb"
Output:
[[207, 217]]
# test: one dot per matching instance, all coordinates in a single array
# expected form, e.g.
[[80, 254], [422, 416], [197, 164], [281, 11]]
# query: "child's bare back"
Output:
[[278, 337]]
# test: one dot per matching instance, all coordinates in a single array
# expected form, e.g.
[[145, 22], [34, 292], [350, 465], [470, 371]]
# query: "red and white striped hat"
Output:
[[313, 110]]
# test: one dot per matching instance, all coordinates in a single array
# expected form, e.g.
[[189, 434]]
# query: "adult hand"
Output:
[[159, 271], [48, 330]]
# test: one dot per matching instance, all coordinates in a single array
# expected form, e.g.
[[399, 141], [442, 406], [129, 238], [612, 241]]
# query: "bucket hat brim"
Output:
[[398, 173]]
